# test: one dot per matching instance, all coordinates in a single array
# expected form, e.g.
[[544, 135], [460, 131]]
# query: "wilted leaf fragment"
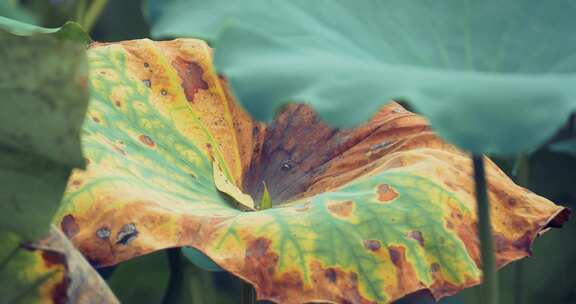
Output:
[[346, 58], [43, 98], [364, 215], [48, 271]]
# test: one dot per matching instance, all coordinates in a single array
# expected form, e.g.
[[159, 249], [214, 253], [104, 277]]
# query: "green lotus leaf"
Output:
[[364, 215], [44, 96], [50, 270], [491, 76]]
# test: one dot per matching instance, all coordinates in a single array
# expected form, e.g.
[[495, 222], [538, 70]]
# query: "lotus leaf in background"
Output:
[[492, 76], [44, 96], [360, 215], [50, 270]]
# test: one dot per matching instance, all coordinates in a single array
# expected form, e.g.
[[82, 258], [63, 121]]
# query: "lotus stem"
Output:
[[80, 10], [521, 175], [489, 275], [248, 293], [92, 14]]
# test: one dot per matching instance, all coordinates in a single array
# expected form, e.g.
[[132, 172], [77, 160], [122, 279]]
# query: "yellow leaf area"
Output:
[[366, 215], [48, 271], [224, 185]]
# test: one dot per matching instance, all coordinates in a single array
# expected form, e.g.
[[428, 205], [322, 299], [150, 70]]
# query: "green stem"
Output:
[[92, 14], [248, 293], [490, 278], [175, 282], [80, 10], [521, 171], [521, 174], [519, 282]]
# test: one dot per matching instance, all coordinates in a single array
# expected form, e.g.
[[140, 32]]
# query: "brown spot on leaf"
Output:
[[127, 233], [373, 245], [523, 243], [331, 275], [148, 83], [69, 226], [416, 235], [53, 258], [191, 74], [386, 193], [103, 233], [394, 255], [406, 277], [336, 285], [95, 119], [443, 288], [59, 292], [341, 209], [501, 243], [145, 139], [260, 264], [452, 186], [435, 267], [330, 283]]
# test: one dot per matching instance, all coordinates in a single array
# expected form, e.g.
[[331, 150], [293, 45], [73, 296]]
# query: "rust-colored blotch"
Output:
[[417, 236], [386, 193], [191, 74], [341, 209], [145, 139], [69, 226], [372, 245]]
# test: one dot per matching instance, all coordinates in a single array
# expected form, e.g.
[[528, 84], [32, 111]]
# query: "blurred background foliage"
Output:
[[547, 277]]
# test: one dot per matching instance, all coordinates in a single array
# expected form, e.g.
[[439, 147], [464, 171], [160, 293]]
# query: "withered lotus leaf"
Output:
[[360, 216], [50, 270]]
